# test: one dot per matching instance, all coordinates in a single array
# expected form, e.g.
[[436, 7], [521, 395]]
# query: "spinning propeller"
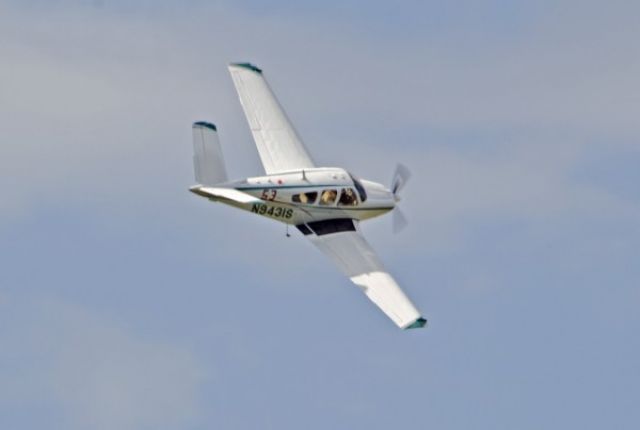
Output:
[[400, 178]]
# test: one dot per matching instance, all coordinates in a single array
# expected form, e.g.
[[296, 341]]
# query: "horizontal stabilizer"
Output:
[[224, 194]]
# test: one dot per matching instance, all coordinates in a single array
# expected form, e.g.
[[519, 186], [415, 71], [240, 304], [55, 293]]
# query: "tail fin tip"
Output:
[[205, 124]]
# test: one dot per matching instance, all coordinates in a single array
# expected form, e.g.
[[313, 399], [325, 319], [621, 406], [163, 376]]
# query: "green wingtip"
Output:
[[248, 66], [419, 323], [205, 124]]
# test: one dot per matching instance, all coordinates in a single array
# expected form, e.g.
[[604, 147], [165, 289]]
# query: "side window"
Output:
[[348, 198], [328, 197], [307, 198]]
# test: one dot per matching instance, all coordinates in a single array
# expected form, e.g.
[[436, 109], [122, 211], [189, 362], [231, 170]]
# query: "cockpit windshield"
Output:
[[359, 188]]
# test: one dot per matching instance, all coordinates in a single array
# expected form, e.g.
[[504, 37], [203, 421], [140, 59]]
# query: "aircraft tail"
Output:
[[208, 162]]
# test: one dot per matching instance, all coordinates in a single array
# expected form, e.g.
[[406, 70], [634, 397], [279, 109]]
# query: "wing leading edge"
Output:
[[279, 145], [355, 258]]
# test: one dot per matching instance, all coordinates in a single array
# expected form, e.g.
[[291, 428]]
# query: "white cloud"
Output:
[[93, 372]]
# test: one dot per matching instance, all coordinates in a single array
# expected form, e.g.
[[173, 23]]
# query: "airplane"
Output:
[[326, 204]]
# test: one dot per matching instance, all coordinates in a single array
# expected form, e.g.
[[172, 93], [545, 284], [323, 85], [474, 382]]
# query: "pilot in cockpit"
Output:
[[348, 197]]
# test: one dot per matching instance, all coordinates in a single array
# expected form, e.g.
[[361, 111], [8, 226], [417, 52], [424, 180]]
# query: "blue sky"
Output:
[[126, 302]]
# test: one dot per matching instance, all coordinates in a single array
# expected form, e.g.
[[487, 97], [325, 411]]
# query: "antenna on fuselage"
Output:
[[287, 231], [304, 176]]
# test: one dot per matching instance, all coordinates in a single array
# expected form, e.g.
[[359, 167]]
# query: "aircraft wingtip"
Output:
[[419, 323], [247, 66]]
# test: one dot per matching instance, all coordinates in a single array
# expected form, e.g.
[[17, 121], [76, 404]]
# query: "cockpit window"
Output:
[[360, 188], [307, 198], [348, 197], [328, 197]]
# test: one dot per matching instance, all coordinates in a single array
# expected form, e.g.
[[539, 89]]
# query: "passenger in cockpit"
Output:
[[328, 197]]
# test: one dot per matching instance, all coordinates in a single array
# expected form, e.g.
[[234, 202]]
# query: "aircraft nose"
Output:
[[392, 197]]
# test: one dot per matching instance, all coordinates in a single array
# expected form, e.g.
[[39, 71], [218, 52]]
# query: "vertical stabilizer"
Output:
[[208, 162]]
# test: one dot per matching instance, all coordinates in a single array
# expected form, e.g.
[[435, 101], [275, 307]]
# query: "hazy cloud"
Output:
[[80, 370]]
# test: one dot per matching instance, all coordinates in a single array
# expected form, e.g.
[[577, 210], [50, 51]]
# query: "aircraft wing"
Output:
[[278, 143], [343, 243]]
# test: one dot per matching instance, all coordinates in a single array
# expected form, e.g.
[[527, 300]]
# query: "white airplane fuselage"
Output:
[[324, 203], [308, 195]]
